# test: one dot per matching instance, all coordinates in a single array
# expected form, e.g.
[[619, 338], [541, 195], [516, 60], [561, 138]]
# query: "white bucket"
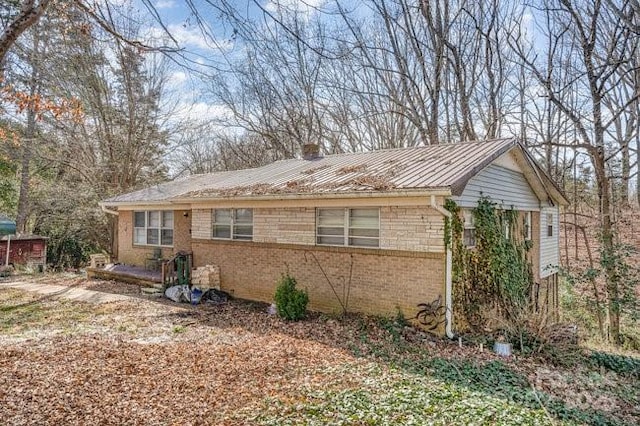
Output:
[[502, 349]]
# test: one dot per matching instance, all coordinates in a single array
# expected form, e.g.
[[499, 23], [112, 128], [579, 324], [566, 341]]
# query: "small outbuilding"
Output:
[[360, 231], [24, 250]]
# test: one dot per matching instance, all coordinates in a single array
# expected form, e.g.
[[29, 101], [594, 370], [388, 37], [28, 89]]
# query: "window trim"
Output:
[[527, 226], [550, 226], [468, 226], [160, 227], [233, 236], [346, 228]]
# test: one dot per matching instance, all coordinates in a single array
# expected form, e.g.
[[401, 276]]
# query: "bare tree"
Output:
[[598, 45], [29, 13]]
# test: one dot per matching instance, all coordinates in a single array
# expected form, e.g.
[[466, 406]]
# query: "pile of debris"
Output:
[[195, 295], [206, 277]]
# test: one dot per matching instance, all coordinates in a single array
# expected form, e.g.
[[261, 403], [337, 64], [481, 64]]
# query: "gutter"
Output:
[[448, 295], [107, 210], [316, 196]]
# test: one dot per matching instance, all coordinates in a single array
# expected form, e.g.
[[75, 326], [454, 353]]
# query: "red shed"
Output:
[[28, 250]]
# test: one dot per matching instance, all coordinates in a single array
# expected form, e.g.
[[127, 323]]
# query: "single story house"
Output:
[[365, 231]]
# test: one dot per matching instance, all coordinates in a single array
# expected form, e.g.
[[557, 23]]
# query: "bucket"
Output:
[[502, 349]]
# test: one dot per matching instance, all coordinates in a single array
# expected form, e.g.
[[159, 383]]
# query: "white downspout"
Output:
[[106, 210], [448, 296], [8, 249]]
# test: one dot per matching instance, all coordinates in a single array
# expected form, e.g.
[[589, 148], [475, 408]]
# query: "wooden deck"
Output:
[[128, 274]]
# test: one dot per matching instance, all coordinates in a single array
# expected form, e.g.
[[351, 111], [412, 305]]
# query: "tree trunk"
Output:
[[29, 14], [25, 174], [626, 173], [638, 174], [29, 136], [604, 197]]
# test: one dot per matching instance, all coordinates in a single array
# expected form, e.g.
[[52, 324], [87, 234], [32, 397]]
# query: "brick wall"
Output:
[[201, 223], [416, 228], [294, 225], [381, 280], [136, 255], [411, 228]]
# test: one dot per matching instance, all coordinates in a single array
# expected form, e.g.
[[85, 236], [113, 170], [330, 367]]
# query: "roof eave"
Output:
[[413, 192], [184, 201], [116, 204], [554, 191], [457, 188]]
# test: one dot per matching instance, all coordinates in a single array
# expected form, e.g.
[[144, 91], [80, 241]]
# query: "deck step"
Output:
[[105, 274], [151, 290]]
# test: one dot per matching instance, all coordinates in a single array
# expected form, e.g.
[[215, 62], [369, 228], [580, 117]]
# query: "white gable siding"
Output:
[[506, 187], [549, 246]]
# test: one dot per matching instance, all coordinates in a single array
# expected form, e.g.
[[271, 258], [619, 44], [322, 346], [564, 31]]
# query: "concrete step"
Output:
[[151, 290]]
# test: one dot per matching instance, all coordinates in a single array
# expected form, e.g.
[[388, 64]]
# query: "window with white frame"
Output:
[[506, 224], [233, 224], [549, 225], [153, 228], [469, 229], [357, 227], [527, 226]]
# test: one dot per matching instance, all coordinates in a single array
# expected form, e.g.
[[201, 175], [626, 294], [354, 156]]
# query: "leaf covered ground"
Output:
[[153, 362]]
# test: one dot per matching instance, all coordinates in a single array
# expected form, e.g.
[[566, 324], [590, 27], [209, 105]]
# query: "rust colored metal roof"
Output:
[[436, 167]]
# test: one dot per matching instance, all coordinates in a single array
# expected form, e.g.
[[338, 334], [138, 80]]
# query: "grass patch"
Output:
[[178, 329], [22, 311]]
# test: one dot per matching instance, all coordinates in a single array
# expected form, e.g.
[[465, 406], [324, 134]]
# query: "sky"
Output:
[[200, 50]]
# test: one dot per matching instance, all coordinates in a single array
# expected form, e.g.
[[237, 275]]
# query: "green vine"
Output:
[[495, 275]]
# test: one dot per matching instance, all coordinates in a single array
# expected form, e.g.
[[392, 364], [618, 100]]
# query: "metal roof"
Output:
[[445, 166]]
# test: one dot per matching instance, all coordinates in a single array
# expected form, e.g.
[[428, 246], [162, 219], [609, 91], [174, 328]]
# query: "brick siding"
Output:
[[382, 281], [137, 254], [416, 228]]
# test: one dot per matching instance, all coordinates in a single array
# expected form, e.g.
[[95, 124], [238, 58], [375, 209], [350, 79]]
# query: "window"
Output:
[[527, 226], [233, 224], [506, 224], [549, 225], [348, 227], [469, 232], [153, 228]]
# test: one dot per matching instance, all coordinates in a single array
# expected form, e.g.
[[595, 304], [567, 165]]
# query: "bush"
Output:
[[291, 303]]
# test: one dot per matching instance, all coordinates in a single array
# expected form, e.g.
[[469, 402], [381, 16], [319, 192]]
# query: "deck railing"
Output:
[[177, 270]]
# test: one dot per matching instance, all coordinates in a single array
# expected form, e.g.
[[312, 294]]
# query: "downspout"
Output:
[[106, 210], [448, 296], [114, 245], [8, 249]]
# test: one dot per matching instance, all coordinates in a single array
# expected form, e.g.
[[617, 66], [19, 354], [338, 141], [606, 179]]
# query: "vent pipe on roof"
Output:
[[311, 151]]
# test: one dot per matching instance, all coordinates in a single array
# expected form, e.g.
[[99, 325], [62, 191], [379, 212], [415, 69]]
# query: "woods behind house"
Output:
[[90, 105]]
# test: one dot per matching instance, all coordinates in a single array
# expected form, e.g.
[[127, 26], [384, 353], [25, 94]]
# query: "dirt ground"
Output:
[[149, 361]]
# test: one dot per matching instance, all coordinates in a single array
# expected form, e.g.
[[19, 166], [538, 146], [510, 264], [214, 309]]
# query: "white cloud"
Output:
[[176, 79], [188, 36], [193, 37], [200, 111], [304, 7], [165, 4]]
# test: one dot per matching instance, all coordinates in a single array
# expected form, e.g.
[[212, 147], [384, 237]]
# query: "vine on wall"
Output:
[[495, 276]]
